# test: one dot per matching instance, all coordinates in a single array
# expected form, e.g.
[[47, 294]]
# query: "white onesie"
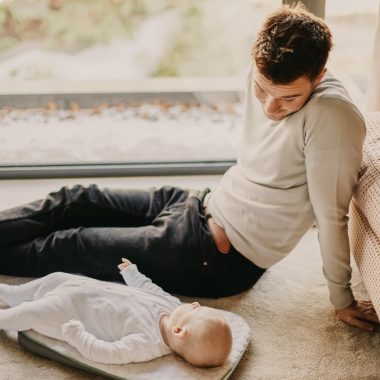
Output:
[[106, 322]]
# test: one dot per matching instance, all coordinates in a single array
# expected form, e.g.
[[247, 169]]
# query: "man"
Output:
[[298, 165]]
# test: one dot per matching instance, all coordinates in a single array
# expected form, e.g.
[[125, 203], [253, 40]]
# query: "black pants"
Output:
[[87, 230]]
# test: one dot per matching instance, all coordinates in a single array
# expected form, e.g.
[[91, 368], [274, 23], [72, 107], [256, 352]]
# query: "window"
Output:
[[101, 82], [353, 26], [112, 81]]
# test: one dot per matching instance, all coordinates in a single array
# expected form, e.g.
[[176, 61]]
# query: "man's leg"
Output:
[[14, 295], [29, 233], [80, 206], [96, 252], [168, 250], [175, 250]]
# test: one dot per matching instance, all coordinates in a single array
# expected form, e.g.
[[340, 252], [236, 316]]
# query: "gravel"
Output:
[[133, 132]]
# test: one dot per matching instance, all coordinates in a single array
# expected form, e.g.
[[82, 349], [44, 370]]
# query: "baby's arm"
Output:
[[133, 277], [130, 349]]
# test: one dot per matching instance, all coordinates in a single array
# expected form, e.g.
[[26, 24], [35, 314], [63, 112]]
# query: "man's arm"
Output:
[[130, 349], [334, 136]]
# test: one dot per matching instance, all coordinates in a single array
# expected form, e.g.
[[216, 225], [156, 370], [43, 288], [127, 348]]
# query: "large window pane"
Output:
[[134, 80], [353, 26]]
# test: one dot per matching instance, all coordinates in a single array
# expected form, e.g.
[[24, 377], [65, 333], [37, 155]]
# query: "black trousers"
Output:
[[87, 230]]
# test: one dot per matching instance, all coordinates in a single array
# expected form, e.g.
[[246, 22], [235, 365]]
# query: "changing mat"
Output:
[[163, 368]]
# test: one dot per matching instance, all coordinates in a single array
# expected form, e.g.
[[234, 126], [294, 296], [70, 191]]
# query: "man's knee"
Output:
[[75, 193]]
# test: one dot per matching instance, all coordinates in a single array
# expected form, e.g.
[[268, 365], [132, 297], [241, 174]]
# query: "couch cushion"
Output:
[[365, 246], [367, 192]]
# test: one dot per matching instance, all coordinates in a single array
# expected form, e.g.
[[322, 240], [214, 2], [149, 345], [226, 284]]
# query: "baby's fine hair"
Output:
[[209, 343]]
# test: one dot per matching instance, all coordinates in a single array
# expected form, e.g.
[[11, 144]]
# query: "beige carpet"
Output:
[[295, 334]]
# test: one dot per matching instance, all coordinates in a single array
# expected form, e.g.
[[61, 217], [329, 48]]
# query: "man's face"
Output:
[[281, 100]]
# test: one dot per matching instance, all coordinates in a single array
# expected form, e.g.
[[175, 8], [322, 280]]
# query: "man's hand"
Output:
[[358, 314], [124, 264]]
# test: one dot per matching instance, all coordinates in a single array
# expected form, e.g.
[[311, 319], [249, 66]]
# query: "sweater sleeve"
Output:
[[333, 151], [132, 348], [133, 277]]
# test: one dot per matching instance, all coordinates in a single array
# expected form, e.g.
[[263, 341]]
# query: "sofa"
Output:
[[364, 216]]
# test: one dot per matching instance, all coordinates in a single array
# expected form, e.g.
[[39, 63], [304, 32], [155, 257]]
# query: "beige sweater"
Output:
[[291, 173]]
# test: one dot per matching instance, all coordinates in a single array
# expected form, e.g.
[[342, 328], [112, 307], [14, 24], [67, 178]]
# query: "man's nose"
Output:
[[272, 105]]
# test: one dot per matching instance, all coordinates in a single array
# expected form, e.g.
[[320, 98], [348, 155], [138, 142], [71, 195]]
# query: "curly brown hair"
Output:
[[292, 43]]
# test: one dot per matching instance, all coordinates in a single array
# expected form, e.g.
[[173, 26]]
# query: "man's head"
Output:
[[200, 335], [290, 55]]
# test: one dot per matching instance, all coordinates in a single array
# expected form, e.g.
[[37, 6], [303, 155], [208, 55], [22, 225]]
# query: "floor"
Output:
[[295, 334], [15, 192]]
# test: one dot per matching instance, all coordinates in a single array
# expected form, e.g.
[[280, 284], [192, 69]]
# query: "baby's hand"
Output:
[[125, 263]]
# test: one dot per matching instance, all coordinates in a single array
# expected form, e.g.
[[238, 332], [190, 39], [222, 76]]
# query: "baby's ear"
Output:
[[179, 331]]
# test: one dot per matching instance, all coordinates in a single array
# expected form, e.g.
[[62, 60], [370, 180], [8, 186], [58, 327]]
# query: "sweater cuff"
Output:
[[340, 297], [129, 267], [128, 273]]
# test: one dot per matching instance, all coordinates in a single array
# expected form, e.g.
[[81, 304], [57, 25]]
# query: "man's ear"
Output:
[[318, 79], [179, 331]]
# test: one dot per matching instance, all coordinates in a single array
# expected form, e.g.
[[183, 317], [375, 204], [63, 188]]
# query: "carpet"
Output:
[[294, 332]]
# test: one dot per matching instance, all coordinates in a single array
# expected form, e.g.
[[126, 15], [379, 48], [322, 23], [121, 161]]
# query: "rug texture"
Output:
[[294, 332]]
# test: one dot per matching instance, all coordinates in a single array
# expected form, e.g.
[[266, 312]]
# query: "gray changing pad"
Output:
[[164, 368]]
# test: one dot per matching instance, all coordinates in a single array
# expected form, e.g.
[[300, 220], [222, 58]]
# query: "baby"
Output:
[[117, 324]]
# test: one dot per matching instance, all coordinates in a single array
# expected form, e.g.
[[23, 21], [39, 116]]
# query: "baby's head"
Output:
[[199, 334]]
